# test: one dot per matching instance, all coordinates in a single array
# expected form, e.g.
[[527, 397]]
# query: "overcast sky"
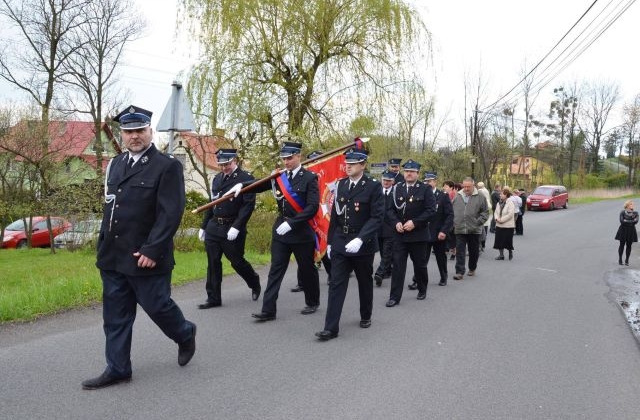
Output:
[[497, 37]]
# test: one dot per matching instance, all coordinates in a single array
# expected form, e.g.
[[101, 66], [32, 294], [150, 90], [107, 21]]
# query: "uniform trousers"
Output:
[[234, 251], [120, 295], [472, 242], [385, 245], [307, 273], [440, 251], [519, 225], [418, 253], [341, 267]]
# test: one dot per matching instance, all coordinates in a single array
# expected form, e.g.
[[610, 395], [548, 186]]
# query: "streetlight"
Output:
[[473, 166]]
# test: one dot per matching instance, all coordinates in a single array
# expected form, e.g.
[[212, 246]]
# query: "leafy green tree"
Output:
[[295, 69]]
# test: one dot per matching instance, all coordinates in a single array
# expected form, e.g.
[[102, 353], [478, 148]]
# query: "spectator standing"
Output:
[[626, 233], [505, 215]]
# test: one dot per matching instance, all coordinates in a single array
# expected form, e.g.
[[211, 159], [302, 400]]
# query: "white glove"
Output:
[[329, 251], [235, 190], [232, 234], [201, 234], [283, 228], [353, 246]]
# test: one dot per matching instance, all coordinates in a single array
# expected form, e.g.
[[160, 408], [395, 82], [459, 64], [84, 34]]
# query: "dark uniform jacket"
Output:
[[356, 214], [234, 212], [387, 229], [398, 178], [305, 185], [417, 204], [443, 219], [144, 214]]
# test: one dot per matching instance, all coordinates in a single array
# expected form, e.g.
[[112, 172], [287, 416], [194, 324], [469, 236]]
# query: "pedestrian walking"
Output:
[[412, 207], [144, 202], [352, 240], [470, 211], [224, 230]]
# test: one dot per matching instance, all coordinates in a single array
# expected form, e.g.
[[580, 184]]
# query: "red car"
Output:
[[548, 197], [16, 237]]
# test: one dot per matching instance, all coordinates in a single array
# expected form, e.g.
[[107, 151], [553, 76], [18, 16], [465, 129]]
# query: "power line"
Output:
[[518, 94], [572, 59], [544, 58]]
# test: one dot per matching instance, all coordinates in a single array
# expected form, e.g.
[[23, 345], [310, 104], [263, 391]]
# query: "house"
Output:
[[71, 143], [196, 152]]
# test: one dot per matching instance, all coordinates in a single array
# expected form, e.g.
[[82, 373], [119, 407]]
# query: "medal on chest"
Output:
[[356, 206]]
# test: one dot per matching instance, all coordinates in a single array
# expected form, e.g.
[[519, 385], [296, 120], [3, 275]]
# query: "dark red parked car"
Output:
[[16, 237], [548, 197]]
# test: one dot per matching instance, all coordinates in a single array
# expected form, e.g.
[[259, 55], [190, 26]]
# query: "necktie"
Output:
[[352, 186], [131, 162], [225, 178], [290, 175]]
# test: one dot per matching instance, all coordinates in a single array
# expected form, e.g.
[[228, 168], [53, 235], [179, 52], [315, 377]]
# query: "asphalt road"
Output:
[[535, 338]]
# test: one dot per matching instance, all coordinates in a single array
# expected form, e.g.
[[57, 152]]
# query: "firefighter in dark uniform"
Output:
[[439, 227], [394, 167], [412, 207], [352, 240], [224, 230], [386, 233], [297, 195], [145, 199]]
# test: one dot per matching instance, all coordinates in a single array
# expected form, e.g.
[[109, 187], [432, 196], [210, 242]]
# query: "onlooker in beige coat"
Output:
[[505, 224]]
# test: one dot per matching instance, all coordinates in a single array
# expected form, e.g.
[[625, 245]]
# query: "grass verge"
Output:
[[35, 282]]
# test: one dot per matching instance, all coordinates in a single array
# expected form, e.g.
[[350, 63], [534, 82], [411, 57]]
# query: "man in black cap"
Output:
[[224, 229], [355, 219], [394, 167], [145, 199], [386, 232], [439, 226], [412, 207], [297, 196]]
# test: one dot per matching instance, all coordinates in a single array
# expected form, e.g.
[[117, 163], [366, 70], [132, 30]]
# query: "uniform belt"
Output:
[[223, 220], [347, 229]]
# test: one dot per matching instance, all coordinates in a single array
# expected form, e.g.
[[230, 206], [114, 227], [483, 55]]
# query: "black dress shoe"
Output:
[[255, 293], [500, 257], [391, 303], [365, 323], [422, 295], [104, 381], [378, 279], [309, 310], [264, 316], [443, 282], [208, 305], [297, 289], [325, 335], [413, 286], [187, 349]]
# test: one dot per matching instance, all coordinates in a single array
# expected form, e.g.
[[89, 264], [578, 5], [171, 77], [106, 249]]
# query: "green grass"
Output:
[[35, 282]]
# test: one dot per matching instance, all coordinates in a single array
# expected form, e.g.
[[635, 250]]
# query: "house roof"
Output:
[[204, 147], [68, 139]]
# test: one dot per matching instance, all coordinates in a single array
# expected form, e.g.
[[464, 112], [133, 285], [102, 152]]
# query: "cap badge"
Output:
[[132, 110]]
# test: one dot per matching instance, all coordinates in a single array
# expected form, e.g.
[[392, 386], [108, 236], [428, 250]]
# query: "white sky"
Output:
[[496, 36]]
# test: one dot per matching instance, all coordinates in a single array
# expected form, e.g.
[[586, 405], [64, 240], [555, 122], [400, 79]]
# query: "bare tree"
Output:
[[598, 103], [33, 61], [91, 69], [631, 131]]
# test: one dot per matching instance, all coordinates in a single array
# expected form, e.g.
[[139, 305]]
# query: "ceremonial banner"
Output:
[[329, 171]]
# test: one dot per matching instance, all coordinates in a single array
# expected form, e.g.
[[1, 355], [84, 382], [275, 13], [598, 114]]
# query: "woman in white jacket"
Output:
[[505, 224]]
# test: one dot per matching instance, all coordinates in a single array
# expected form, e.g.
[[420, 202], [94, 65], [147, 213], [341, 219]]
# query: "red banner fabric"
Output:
[[329, 171]]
